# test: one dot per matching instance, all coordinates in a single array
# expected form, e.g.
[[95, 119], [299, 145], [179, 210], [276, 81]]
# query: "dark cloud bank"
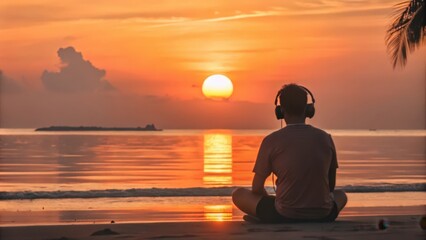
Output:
[[78, 94], [8, 86], [76, 75]]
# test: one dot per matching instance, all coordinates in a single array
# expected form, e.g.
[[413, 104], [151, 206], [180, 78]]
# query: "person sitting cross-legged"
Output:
[[304, 160]]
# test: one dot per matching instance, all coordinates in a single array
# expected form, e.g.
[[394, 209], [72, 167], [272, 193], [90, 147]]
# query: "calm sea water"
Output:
[[40, 165]]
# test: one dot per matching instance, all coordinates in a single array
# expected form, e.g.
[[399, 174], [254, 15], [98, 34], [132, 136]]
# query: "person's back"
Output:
[[300, 156], [304, 160]]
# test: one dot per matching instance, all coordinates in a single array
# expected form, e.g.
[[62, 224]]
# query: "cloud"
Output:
[[162, 13], [25, 15], [8, 85], [76, 75], [255, 14]]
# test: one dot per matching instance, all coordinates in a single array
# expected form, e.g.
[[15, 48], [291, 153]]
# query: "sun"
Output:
[[217, 87]]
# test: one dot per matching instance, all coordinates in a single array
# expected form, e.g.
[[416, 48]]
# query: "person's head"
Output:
[[293, 101]]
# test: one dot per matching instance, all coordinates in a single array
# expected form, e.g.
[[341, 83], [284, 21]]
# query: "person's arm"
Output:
[[262, 168], [332, 178], [258, 185], [333, 168]]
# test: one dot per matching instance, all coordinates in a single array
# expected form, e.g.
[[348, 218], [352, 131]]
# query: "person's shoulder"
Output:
[[273, 135], [319, 131], [270, 136]]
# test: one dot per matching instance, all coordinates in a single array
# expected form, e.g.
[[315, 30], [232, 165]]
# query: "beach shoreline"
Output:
[[178, 209], [365, 227]]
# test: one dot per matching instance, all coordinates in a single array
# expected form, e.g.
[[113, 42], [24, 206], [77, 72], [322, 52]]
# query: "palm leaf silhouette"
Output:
[[407, 31]]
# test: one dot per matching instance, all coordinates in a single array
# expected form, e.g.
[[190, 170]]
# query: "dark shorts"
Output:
[[266, 212]]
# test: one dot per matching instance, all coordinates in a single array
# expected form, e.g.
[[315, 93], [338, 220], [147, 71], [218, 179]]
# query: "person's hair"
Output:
[[293, 99]]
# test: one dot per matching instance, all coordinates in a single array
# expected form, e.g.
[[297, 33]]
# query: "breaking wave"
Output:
[[186, 192]]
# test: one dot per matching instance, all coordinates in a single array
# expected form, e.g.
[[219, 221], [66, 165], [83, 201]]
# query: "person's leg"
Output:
[[246, 200], [340, 198]]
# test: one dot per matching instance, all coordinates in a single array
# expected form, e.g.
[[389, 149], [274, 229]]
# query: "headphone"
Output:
[[309, 110]]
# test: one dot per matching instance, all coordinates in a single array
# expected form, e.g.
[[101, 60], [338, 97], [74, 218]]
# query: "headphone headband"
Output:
[[302, 87], [276, 97], [309, 110], [307, 90]]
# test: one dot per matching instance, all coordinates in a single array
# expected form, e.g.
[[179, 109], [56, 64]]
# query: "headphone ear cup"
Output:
[[310, 110], [278, 113]]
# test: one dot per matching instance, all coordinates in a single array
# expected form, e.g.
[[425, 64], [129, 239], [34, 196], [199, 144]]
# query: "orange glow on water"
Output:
[[217, 159], [186, 159], [218, 213]]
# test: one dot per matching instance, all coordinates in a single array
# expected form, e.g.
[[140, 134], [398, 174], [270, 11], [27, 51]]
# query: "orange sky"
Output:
[[163, 50]]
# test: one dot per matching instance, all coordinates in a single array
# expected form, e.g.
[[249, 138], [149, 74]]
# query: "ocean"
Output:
[[184, 175]]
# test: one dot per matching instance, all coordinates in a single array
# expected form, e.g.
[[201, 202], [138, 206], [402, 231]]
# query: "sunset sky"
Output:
[[138, 62]]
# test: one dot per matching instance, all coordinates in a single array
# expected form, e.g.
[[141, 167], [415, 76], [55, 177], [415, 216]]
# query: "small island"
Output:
[[148, 127]]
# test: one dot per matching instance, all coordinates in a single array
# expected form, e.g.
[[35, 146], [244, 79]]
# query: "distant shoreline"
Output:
[[148, 127]]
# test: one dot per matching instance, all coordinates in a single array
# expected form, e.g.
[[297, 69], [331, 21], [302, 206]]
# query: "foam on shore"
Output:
[[178, 192]]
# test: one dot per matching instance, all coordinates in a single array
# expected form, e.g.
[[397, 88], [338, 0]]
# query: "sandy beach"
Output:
[[400, 227]]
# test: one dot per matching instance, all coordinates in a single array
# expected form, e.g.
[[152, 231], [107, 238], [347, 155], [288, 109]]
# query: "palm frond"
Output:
[[407, 31]]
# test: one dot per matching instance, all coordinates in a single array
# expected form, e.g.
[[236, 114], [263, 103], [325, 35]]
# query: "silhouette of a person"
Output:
[[304, 160]]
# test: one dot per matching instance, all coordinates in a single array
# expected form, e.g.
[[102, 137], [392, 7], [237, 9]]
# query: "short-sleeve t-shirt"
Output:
[[301, 157]]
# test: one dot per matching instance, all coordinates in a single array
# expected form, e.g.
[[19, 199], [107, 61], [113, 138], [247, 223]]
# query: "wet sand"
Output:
[[399, 227]]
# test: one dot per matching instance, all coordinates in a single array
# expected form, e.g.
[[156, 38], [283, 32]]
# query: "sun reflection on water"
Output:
[[218, 213], [217, 159]]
